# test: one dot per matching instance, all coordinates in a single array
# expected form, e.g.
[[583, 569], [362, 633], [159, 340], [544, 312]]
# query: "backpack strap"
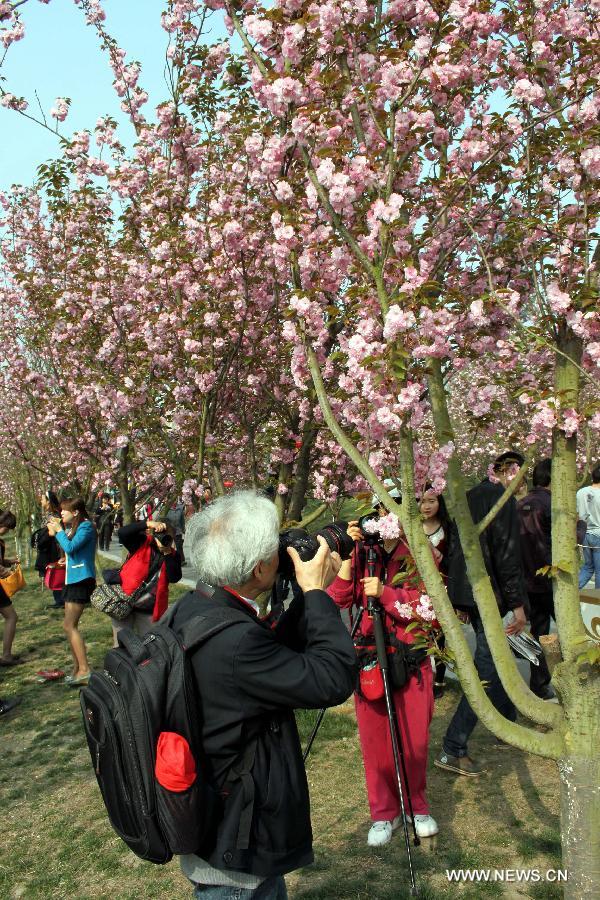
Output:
[[199, 629], [134, 645]]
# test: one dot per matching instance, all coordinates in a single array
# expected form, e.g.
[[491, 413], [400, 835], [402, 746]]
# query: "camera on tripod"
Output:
[[306, 545]]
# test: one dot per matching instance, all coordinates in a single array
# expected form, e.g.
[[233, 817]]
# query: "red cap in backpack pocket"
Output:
[[371, 682], [175, 767]]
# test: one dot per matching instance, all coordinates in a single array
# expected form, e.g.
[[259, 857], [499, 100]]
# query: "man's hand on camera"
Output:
[[354, 531], [372, 587], [155, 526], [317, 573]]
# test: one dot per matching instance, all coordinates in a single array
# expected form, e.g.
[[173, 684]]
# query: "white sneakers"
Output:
[[380, 833], [425, 826]]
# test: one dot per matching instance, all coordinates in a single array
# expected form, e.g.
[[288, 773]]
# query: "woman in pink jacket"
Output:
[[413, 702]]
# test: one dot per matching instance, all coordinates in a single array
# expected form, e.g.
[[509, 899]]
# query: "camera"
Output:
[[306, 545]]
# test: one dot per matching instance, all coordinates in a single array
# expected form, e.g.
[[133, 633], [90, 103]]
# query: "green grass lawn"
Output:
[[55, 841]]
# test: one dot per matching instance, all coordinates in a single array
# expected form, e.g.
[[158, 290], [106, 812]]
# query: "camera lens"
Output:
[[338, 539]]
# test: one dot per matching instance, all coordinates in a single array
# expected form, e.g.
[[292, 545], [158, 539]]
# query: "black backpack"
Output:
[[147, 688]]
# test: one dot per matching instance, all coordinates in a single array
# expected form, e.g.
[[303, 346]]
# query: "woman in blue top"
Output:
[[78, 540]]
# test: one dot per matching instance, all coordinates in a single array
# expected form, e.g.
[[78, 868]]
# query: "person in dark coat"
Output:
[[250, 677], [502, 556], [535, 511], [104, 520], [47, 548]]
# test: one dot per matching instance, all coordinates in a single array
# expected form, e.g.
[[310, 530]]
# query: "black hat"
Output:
[[509, 456]]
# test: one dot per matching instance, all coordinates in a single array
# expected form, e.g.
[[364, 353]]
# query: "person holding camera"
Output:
[[353, 588], [250, 679], [77, 538], [152, 559]]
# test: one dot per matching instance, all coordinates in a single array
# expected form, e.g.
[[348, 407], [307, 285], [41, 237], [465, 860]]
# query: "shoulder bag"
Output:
[[13, 582], [55, 576], [112, 599]]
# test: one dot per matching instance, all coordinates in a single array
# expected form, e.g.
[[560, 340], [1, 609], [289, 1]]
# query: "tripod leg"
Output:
[[395, 739], [317, 725]]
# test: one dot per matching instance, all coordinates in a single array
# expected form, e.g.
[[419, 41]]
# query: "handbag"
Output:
[[112, 599], [55, 576], [13, 582]]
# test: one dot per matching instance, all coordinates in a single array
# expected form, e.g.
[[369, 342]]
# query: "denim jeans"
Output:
[[271, 889], [464, 719], [591, 560]]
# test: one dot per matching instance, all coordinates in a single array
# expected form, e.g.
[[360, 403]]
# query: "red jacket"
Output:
[[135, 570], [343, 592]]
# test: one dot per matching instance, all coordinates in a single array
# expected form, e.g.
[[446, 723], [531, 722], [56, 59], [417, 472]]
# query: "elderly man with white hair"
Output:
[[250, 678]]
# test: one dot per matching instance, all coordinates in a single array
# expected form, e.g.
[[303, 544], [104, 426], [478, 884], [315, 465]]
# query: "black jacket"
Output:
[[48, 549], [132, 538], [535, 516], [249, 682], [500, 545]]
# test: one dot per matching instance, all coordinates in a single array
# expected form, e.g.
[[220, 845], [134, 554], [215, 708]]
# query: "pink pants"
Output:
[[414, 709]]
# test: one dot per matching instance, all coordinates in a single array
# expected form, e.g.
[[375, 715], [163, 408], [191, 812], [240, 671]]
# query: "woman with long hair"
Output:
[[436, 525], [77, 537], [7, 610], [47, 547]]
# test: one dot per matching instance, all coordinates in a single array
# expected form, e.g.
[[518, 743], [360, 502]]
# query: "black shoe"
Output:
[[438, 689], [7, 705]]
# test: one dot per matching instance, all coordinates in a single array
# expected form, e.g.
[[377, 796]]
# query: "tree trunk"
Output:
[[580, 780], [215, 476], [127, 494], [281, 500], [302, 473], [577, 684], [565, 560]]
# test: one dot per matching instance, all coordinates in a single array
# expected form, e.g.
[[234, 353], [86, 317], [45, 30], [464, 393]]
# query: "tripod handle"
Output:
[[371, 561], [382, 656]]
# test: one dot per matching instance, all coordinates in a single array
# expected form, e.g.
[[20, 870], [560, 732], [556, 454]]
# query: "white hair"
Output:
[[231, 536]]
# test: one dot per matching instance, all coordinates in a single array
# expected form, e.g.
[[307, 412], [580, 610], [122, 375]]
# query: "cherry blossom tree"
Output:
[[373, 229], [446, 158]]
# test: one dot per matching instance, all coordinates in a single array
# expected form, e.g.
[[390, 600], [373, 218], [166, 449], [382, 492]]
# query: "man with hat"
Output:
[[501, 553]]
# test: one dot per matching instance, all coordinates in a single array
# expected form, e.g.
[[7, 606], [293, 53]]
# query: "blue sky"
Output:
[[60, 57]]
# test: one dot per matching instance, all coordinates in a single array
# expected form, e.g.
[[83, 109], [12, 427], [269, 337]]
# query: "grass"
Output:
[[55, 840]]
